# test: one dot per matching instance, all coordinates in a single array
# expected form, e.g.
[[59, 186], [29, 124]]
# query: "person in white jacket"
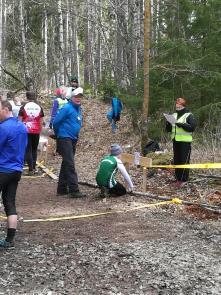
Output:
[[108, 168]]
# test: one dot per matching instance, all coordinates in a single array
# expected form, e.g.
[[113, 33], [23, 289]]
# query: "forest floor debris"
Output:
[[169, 249]]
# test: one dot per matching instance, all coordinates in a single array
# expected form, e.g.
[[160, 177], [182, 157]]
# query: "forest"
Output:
[[155, 229], [43, 43]]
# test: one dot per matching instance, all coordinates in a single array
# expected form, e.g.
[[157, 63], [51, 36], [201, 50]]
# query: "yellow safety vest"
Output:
[[178, 133], [61, 102]]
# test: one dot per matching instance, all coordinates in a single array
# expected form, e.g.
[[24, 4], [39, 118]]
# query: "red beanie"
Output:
[[58, 91]]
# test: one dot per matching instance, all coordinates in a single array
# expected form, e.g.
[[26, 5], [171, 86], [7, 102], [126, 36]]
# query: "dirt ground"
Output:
[[166, 249]]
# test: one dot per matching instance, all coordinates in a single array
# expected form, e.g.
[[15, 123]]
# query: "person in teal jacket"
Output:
[[114, 114]]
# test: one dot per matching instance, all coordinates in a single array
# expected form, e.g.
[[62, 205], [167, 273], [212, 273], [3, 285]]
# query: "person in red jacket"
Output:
[[31, 114]]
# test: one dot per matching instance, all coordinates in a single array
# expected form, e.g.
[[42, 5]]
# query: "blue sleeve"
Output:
[[3, 136], [60, 118], [54, 110]]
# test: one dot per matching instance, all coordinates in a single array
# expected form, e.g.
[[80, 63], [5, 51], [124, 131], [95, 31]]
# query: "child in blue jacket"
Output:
[[114, 114]]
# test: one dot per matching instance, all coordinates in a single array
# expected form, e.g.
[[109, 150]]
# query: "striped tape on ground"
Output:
[[191, 166], [173, 201]]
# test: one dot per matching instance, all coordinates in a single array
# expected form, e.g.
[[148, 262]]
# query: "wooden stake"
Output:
[[144, 179], [47, 171]]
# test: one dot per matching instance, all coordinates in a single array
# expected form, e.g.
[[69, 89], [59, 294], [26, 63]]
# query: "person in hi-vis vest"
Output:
[[181, 135]]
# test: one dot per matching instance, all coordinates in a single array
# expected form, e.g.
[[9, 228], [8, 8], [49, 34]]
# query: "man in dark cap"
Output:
[[181, 129], [74, 85], [108, 168], [67, 125]]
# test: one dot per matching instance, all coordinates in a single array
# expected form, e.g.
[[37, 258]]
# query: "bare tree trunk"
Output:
[[68, 41], [147, 16], [119, 44], [131, 45], [27, 79], [98, 49], [86, 45], [45, 38], [92, 41], [141, 34], [74, 54], [61, 44], [3, 34]]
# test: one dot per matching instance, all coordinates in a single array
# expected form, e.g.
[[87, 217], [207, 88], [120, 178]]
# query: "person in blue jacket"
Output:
[[114, 114], [67, 125], [58, 103], [13, 142]]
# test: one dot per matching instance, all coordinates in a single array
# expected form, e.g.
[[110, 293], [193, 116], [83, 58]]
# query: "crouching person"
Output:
[[108, 168]]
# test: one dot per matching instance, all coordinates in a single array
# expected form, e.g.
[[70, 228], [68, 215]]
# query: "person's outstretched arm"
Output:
[[125, 174]]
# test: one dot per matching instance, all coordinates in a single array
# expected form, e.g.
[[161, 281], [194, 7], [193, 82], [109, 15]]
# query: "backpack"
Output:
[[151, 146]]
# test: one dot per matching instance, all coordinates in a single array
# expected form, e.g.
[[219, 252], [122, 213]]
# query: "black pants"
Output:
[[8, 187], [31, 150], [68, 180], [181, 152], [117, 190]]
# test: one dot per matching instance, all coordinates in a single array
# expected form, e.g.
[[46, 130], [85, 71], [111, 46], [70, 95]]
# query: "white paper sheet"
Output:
[[170, 118]]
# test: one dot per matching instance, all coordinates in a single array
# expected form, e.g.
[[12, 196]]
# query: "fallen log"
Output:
[[212, 208]]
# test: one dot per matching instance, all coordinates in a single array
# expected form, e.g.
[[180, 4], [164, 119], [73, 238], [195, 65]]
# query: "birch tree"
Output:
[[23, 45], [86, 44], [146, 72], [61, 44], [45, 47]]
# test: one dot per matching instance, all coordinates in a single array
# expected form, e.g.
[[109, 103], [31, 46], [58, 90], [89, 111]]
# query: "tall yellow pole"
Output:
[[147, 15]]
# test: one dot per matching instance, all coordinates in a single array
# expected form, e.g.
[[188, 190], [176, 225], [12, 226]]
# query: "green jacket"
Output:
[[106, 172]]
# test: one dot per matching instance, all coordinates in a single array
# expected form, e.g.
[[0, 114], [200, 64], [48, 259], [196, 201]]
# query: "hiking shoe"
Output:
[[179, 184], [77, 194], [28, 173], [31, 173], [61, 193], [6, 245], [37, 171], [104, 193]]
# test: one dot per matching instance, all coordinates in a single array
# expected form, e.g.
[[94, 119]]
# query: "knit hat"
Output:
[[58, 91], [74, 79], [115, 150], [181, 101]]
